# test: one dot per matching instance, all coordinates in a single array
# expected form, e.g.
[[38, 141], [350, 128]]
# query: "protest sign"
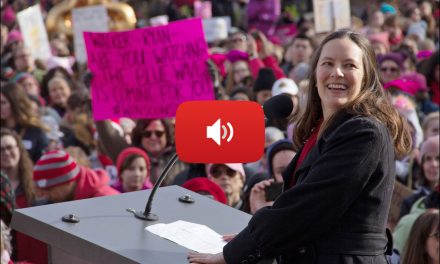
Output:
[[34, 32], [342, 16], [89, 18], [331, 15], [148, 72], [215, 28]]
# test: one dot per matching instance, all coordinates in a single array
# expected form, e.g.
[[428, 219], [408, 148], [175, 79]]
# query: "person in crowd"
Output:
[[429, 173], [299, 72], [23, 61], [431, 125], [206, 187], [254, 48], [271, 135], [431, 69], [54, 135], [133, 166], [16, 114], [60, 90], [423, 243], [391, 66], [279, 155], [299, 50], [347, 118], [231, 178], [240, 94], [7, 198], [380, 43], [30, 85], [393, 26], [287, 87], [237, 74], [59, 178], [155, 136], [403, 227], [56, 71], [250, 183], [17, 165], [263, 85]]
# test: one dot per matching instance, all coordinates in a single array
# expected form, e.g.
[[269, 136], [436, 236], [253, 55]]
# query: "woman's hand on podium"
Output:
[[203, 258]]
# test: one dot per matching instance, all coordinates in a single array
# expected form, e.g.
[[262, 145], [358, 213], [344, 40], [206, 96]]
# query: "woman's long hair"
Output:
[[25, 167], [371, 101], [415, 248], [20, 106]]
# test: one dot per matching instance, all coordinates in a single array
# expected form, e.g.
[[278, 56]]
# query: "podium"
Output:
[[107, 233]]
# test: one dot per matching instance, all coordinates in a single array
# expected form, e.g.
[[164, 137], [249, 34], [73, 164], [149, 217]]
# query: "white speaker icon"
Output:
[[213, 132]]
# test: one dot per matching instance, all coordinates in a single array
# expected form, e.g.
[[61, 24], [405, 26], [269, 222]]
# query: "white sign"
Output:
[[34, 32], [90, 19], [342, 14], [215, 28], [331, 15]]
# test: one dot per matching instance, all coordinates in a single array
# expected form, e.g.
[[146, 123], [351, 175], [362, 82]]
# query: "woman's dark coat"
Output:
[[337, 211]]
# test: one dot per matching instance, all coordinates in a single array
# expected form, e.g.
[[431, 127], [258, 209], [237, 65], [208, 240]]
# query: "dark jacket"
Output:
[[337, 211], [34, 141]]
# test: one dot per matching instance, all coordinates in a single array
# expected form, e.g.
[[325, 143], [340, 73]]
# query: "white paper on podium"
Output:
[[199, 238]]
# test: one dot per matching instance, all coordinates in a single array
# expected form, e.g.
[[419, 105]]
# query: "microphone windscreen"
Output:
[[278, 107]]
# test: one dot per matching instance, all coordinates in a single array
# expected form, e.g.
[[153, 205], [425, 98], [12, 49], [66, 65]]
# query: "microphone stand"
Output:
[[146, 214]]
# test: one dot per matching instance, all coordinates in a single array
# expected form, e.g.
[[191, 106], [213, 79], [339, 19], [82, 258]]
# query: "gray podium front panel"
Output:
[[107, 233]]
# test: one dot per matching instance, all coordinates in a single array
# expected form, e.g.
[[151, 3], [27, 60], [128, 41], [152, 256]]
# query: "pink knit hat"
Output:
[[381, 37], [14, 36], [55, 168], [430, 145], [410, 83], [8, 15]]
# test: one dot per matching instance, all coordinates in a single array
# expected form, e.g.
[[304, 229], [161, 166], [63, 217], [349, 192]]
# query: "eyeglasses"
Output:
[[389, 69], [7, 148], [216, 173], [148, 134]]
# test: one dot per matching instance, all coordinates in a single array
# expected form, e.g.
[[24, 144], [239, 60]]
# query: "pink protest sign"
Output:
[[148, 72]]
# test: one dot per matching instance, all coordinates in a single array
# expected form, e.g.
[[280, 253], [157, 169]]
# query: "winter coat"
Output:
[[337, 211], [34, 141], [403, 227], [92, 183]]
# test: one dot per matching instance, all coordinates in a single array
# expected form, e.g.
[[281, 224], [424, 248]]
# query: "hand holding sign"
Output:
[[147, 73]]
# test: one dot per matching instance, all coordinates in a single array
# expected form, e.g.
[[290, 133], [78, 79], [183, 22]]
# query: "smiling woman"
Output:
[[337, 189]]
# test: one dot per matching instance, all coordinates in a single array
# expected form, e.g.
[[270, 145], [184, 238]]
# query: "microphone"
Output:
[[146, 214], [278, 107]]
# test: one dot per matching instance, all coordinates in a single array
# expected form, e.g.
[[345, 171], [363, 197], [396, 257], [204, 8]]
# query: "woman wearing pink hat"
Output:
[[133, 166]]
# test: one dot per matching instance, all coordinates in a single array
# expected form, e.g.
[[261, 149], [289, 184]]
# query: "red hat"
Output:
[[205, 184], [131, 151], [55, 168]]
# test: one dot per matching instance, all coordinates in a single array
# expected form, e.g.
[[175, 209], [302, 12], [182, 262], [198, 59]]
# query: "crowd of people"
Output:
[[387, 130]]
